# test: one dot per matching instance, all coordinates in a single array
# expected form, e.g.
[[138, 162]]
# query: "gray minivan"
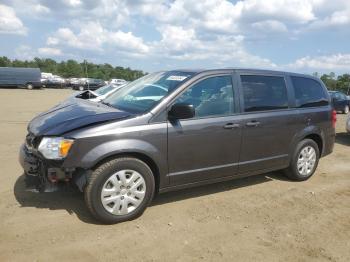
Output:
[[176, 129], [20, 77]]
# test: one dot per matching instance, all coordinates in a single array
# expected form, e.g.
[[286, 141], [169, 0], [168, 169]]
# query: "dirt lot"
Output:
[[261, 218]]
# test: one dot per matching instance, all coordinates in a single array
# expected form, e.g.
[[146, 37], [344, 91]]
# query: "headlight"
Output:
[[55, 147]]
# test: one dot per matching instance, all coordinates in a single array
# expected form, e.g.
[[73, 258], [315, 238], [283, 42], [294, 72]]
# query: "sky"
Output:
[[292, 35]]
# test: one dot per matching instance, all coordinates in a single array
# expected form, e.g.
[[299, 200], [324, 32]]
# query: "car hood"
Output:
[[73, 114]]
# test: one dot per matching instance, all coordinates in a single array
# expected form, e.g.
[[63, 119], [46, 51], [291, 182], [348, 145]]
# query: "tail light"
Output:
[[334, 118]]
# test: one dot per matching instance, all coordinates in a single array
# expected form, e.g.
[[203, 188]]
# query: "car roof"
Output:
[[246, 70]]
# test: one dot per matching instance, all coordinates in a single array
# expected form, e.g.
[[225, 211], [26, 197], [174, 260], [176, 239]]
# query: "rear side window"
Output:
[[263, 93], [309, 92]]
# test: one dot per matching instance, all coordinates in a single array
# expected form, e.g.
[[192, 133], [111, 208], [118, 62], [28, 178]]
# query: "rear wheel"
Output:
[[304, 160], [346, 110], [81, 88], [29, 86], [119, 190]]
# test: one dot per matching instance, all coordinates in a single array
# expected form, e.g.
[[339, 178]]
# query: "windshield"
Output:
[[104, 89], [143, 94]]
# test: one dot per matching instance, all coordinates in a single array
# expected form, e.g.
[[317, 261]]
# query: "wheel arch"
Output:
[[138, 155], [318, 140], [311, 132]]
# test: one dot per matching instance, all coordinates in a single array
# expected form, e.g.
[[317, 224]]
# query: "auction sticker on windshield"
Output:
[[176, 78]]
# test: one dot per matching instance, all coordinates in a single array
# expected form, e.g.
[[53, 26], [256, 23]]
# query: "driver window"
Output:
[[212, 96]]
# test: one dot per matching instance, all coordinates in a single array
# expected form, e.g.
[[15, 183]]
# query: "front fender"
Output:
[[111, 148], [89, 158]]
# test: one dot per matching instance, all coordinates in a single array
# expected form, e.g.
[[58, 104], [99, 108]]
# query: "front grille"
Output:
[[32, 141]]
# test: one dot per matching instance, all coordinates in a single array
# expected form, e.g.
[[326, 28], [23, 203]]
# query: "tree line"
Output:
[[333, 82], [72, 68]]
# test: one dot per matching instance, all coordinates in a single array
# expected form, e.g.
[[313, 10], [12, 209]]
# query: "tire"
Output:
[[293, 172], [29, 86], [346, 110], [81, 88], [100, 179]]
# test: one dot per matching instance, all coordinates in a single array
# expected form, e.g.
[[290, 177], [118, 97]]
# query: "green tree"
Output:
[[72, 68], [329, 81]]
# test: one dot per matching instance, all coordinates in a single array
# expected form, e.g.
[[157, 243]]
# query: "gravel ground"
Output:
[[260, 218]]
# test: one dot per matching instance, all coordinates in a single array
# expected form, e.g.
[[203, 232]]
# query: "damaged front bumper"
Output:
[[48, 175]]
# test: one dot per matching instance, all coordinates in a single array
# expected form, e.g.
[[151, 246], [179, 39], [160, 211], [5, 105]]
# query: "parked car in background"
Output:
[[20, 77], [116, 81], [340, 101], [71, 81], [88, 84], [98, 94], [45, 77], [104, 91], [55, 82], [209, 126]]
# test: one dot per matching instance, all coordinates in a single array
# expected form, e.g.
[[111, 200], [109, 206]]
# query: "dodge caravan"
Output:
[[177, 129]]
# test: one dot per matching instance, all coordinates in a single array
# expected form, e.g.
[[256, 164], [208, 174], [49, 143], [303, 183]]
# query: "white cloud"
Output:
[[49, 51], [336, 19], [40, 9], [332, 62], [183, 44], [29, 8], [126, 41], [206, 32], [177, 38], [89, 38], [270, 25], [72, 3], [52, 40], [223, 16], [92, 36], [296, 11], [9, 22]]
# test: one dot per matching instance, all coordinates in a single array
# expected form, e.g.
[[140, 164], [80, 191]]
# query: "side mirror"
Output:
[[181, 111]]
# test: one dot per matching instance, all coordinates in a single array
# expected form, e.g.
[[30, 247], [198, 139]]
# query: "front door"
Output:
[[206, 146]]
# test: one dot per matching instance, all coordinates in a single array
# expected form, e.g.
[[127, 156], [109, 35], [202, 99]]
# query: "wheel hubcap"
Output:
[[123, 192], [306, 160]]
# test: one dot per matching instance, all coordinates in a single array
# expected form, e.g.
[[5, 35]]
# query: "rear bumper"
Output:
[[328, 144]]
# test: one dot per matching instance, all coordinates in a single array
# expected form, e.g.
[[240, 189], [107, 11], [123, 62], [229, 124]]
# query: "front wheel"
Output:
[[81, 88], [119, 190], [29, 86], [304, 160]]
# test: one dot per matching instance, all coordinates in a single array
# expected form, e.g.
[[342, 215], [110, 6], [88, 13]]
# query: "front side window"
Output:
[[263, 93], [308, 92], [145, 93], [212, 96]]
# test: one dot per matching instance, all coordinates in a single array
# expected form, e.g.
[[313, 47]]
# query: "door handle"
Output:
[[252, 124], [231, 126]]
